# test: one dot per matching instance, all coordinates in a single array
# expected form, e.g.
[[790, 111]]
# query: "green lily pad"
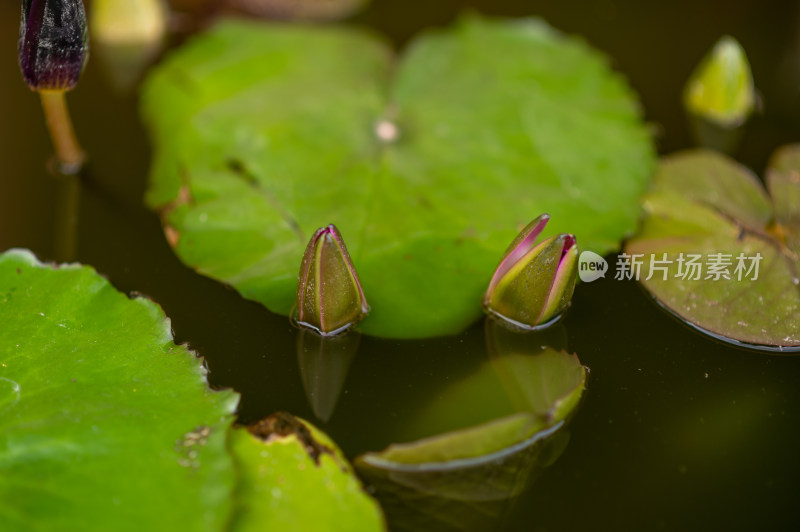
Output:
[[706, 205], [429, 164], [293, 477], [105, 423], [468, 478]]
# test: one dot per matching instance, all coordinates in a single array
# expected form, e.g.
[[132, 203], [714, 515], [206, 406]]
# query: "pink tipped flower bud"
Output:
[[329, 294], [533, 283]]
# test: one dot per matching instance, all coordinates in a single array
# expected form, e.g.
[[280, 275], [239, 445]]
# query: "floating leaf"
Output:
[[105, 423], [430, 166], [706, 205], [293, 477]]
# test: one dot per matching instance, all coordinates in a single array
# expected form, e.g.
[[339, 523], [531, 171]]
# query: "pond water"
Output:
[[676, 431]]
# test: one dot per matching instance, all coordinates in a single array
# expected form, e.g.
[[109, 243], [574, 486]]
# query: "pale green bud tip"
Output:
[[721, 89], [533, 283], [129, 23], [329, 294]]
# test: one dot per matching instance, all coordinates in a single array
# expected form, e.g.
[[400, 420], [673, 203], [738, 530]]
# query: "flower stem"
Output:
[[68, 152]]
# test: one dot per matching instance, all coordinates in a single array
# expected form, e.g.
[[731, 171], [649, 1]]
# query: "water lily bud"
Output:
[[721, 89], [329, 294], [126, 37], [128, 22], [53, 43], [533, 284]]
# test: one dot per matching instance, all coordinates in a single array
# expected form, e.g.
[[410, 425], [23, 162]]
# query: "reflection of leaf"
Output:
[[293, 477], [466, 479], [105, 423], [264, 133], [703, 203]]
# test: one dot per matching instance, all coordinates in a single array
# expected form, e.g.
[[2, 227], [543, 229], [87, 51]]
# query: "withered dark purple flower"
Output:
[[53, 43], [329, 294]]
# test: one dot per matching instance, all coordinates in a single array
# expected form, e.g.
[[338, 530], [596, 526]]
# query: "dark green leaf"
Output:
[[703, 203]]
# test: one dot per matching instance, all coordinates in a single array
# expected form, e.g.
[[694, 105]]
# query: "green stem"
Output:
[[68, 152]]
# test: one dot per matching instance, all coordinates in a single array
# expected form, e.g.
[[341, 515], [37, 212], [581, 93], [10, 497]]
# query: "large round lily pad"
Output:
[[429, 163], [743, 240]]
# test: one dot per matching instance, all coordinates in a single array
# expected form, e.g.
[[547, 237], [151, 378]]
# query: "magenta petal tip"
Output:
[[534, 282]]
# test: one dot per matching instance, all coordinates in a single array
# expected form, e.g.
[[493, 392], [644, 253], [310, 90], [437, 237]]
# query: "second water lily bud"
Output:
[[53, 43], [329, 294], [721, 89], [127, 36], [533, 283]]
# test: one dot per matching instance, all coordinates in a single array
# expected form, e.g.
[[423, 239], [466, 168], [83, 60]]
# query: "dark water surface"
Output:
[[676, 431]]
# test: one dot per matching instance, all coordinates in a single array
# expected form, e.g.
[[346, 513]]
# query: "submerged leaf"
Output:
[[468, 478], [263, 133], [744, 285], [542, 380], [463, 480]]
